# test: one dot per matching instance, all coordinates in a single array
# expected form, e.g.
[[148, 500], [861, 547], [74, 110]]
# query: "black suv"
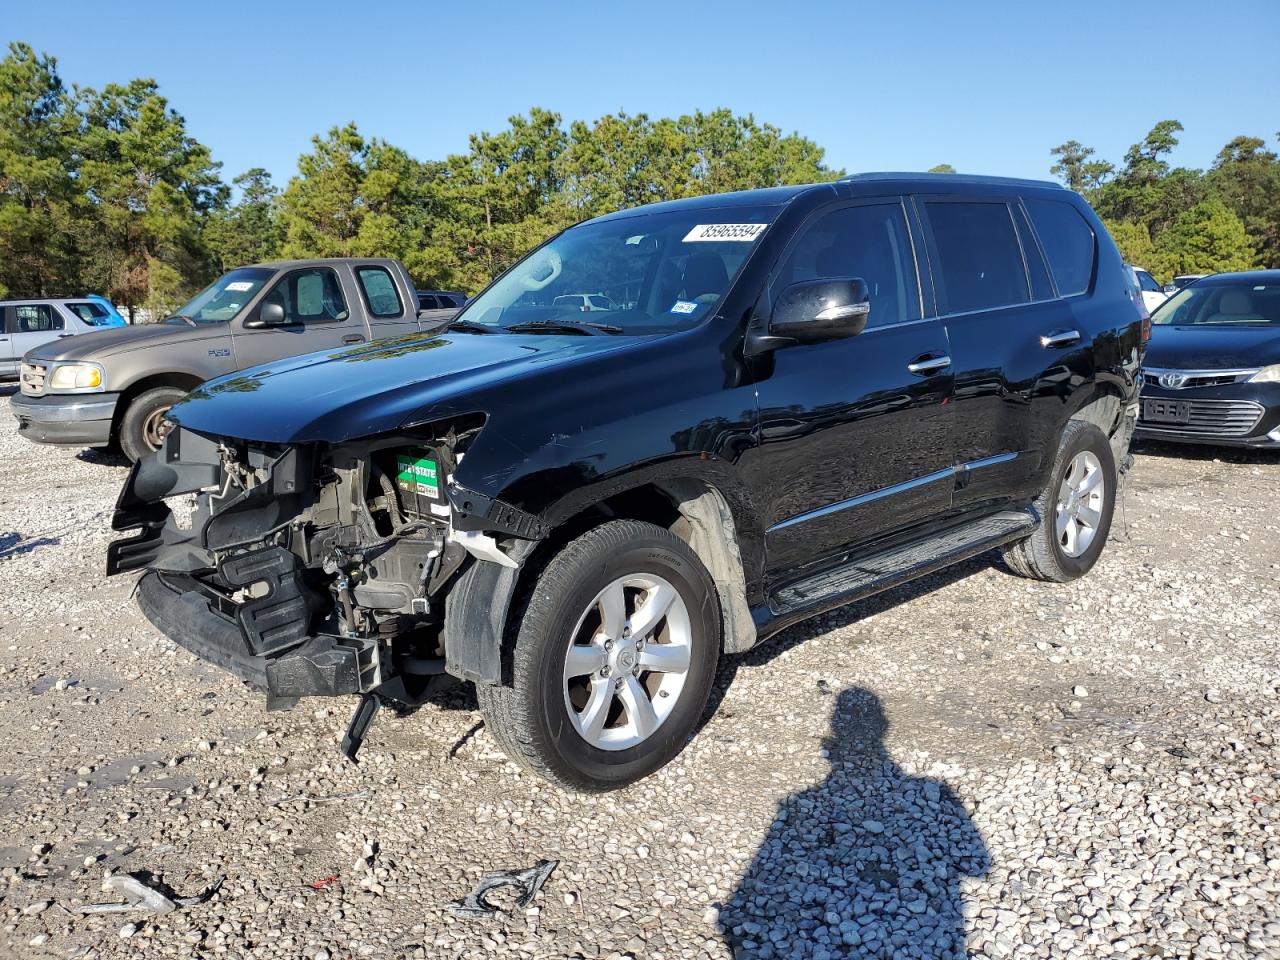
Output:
[[801, 396]]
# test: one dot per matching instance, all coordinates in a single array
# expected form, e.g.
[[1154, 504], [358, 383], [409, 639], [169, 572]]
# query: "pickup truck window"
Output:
[[380, 294], [225, 297], [310, 296], [658, 271], [36, 318]]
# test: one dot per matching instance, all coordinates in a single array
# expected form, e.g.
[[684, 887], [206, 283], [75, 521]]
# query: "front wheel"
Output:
[[1075, 509], [613, 659], [144, 424]]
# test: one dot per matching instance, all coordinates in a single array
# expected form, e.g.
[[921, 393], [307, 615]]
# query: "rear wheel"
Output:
[[1075, 509], [613, 659], [144, 424]]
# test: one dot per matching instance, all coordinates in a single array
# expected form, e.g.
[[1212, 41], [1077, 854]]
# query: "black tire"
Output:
[[1042, 555], [530, 719], [133, 425]]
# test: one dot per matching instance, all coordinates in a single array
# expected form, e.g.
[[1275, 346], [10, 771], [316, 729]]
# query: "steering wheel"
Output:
[[552, 262]]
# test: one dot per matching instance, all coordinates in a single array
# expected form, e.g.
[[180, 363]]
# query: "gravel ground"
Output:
[[975, 763]]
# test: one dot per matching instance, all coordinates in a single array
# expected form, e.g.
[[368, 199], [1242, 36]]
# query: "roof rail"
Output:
[[955, 178]]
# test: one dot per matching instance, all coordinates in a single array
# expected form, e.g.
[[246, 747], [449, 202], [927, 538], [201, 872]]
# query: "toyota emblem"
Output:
[[1174, 381]]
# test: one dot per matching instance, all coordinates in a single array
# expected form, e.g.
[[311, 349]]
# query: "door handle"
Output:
[[922, 365], [63, 336], [353, 338], [1060, 338]]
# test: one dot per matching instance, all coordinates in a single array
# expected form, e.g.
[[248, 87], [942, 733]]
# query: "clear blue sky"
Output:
[[987, 87]]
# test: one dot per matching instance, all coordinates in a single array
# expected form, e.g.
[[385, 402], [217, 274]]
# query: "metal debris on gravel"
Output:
[[141, 896], [528, 882]]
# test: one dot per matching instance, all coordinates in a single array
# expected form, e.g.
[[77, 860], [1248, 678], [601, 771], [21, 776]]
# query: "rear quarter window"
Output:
[[1068, 242], [380, 294]]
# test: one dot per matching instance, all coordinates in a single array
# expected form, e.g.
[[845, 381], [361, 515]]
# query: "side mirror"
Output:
[[269, 315], [812, 311]]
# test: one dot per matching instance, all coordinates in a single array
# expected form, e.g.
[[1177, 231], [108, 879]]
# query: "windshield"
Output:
[[1221, 305], [226, 296], [649, 273]]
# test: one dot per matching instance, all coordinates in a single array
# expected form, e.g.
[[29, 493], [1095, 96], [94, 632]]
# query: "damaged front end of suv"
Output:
[[318, 569]]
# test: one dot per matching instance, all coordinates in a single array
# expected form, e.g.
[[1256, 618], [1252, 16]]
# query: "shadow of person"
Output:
[[867, 864]]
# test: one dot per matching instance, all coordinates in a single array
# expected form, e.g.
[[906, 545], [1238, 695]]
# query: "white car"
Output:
[[1180, 281], [586, 302], [1152, 293]]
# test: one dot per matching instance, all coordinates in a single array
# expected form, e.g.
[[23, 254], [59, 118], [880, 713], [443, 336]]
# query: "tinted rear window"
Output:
[[1068, 242], [979, 259]]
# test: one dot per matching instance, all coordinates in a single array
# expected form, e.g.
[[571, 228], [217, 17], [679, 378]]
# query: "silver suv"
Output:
[[27, 324]]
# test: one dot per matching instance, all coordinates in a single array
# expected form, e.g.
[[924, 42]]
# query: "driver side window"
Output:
[[870, 242], [310, 296]]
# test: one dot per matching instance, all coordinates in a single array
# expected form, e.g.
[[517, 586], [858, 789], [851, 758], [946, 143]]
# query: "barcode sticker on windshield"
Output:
[[725, 232], [240, 285]]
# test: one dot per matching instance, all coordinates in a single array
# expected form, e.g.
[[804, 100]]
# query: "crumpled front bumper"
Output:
[[250, 612], [320, 666]]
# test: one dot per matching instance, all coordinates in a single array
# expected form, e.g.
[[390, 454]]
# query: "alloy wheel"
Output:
[[1081, 497], [627, 661]]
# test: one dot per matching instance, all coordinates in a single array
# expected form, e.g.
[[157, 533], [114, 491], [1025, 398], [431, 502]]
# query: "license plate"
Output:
[[1166, 411]]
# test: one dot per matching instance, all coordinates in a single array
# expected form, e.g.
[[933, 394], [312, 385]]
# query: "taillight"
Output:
[[1146, 329]]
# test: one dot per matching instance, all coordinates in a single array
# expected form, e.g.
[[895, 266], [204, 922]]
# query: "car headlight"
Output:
[[76, 376], [1269, 374]]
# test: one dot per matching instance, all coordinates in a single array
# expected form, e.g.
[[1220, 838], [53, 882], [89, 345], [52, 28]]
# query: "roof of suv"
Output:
[[12, 301], [777, 196]]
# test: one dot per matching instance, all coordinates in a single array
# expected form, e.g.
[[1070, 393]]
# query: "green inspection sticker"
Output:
[[418, 475]]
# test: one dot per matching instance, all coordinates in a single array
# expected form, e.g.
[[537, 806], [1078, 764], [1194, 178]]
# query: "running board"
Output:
[[870, 574]]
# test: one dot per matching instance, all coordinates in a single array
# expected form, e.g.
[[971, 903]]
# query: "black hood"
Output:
[[376, 388], [1211, 347]]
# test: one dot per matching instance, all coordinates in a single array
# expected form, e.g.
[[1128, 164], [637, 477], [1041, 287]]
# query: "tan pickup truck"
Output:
[[116, 386]]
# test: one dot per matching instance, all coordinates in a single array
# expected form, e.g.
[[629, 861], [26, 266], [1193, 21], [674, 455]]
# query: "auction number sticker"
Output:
[[684, 306], [240, 286], [725, 232]]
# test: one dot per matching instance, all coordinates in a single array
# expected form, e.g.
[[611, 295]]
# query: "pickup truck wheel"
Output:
[[1075, 509], [613, 659], [143, 426]]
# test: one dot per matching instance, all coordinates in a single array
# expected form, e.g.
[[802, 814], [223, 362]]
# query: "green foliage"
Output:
[[1246, 177], [1207, 238], [148, 188], [1134, 241], [1178, 220], [38, 133], [1076, 169], [942, 168], [250, 231]]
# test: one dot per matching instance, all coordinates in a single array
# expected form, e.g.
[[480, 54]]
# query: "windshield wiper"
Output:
[[180, 316], [563, 326], [468, 326]]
